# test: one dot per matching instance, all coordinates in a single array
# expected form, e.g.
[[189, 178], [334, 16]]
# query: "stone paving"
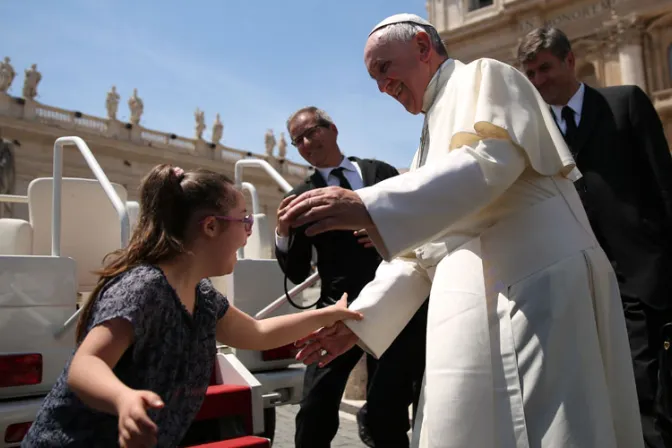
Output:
[[284, 429]]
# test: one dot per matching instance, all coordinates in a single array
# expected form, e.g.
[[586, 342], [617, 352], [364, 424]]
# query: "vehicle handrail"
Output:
[[240, 164], [277, 177], [100, 176], [14, 198], [56, 204], [253, 193], [295, 291]]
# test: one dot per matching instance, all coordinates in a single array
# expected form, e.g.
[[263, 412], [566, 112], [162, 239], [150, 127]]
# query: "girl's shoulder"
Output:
[[211, 295], [141, 277]]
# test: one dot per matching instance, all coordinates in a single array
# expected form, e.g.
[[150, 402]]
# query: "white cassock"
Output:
[[526, 340]]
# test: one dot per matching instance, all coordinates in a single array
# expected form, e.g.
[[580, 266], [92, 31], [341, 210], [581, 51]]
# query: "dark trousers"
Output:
[[404, 360], [652, 370], [393, 385]]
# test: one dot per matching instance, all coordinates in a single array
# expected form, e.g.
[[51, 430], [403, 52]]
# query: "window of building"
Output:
[[478, 4]]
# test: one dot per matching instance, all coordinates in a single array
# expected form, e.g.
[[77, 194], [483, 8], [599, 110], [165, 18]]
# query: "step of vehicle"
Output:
[[225, 400], [241, 442]]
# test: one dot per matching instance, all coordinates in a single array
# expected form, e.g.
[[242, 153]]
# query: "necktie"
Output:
[[570, 133], [338, 173], [570, 138]]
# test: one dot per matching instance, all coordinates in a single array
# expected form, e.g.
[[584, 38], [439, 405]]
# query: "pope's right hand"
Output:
[[136, 429], [326, 344], [283, 227]]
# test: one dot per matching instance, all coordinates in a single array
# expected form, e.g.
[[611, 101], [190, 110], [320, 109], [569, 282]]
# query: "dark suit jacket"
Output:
[[623, 155], [344, 264]]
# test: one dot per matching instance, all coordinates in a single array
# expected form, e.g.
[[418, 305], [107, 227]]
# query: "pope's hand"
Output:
[[326, 344], [330, 208]]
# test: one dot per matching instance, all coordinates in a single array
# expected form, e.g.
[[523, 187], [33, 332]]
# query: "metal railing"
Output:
[[14, 198], [240, 164], [56, 203], [112, 195], [277, 177], [238, 179], [295, 291]]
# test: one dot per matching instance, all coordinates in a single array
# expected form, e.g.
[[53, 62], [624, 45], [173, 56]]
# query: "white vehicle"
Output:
[[46, 269]]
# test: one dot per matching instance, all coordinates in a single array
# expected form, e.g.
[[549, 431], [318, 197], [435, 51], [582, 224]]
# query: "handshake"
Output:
[[327, 343]]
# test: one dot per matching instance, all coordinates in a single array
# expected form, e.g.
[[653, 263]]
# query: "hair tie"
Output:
[[179, 173]]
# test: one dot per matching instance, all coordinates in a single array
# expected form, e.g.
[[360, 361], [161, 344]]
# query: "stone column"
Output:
[[626, 38], [632, 67]]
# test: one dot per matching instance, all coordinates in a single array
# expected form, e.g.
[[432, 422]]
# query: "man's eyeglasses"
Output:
[[308, 133], [247, 220]]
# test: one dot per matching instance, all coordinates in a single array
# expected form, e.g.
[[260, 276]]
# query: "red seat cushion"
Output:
[[227, 400], [241, 442]]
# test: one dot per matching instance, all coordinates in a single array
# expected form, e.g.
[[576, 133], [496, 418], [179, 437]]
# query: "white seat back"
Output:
[[90, 227], [133, 208], [259, 245], [16, 237]]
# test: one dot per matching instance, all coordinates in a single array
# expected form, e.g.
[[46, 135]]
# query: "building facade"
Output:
[[615, 41], [125, 151]]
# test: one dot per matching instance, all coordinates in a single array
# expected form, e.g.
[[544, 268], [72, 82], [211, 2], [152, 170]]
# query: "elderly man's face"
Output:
[[315, 141], [400, 69]]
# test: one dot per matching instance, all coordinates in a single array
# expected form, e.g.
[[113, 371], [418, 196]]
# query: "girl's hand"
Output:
[[340, 311], [136, 429]]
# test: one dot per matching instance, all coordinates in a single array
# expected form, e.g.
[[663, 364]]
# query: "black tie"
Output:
[[338, 173], [572, 130], [570, 138]]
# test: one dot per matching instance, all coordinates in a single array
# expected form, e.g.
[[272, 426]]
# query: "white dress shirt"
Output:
[[576, 103], [351, 171]]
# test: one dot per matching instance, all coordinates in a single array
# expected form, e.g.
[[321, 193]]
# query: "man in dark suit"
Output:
[[346, 263], [619, 146]]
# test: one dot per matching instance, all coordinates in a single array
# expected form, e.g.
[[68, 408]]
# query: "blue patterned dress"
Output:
[[172, 355]]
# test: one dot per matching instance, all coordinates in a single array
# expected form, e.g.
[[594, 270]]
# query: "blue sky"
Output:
[[253, 61]]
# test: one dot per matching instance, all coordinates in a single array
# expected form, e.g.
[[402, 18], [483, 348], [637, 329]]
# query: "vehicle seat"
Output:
[[133, 208], [16, 237], [90, 227]]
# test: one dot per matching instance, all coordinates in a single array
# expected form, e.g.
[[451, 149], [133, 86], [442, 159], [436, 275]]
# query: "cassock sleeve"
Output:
[[388, 303], [416, 207]]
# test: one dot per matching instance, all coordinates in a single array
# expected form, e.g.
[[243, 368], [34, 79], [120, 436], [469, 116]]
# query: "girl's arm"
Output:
[[90, 375], [237, 329]]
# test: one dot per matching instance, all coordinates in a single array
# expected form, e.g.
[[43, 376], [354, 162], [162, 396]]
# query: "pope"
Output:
[[526, 340]]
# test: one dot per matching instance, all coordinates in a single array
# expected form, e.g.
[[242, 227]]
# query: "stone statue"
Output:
[[200, 123], [282, 146], [33, 78], [270, 142], [217, 130], [112, 103], [137, 107], [7, 75]]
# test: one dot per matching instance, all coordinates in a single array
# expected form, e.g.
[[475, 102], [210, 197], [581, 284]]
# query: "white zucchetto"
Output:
[[401, 18]]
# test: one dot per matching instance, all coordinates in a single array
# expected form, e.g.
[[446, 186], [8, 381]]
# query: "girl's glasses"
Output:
[[247, 220]]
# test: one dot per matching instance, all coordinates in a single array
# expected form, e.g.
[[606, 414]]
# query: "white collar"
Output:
[[575, 102], [346, 164], [442, 74]]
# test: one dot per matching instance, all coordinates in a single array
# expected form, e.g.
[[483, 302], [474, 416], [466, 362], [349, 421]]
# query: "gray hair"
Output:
[[543, 38], [320, 116], [405, 31]]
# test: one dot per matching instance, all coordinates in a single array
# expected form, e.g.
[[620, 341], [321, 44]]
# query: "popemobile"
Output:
[[47, 269]]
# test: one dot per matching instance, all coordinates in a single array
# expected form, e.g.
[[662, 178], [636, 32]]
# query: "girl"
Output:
[[146, 338]]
